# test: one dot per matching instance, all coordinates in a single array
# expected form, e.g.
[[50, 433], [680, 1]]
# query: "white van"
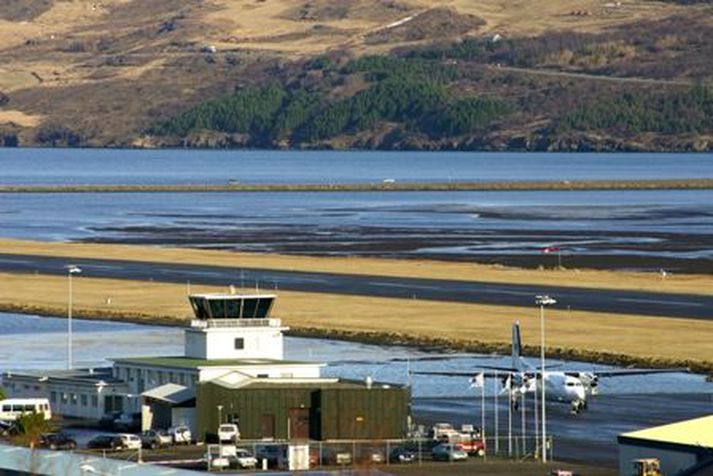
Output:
[[12, 408]]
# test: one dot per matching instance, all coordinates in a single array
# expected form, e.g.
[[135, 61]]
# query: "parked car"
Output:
[[127, 422], [402, 455], [274, 454], [129, 441], [155, 439], [181, 435], [332, 456], [228, 432], [448, 452], [107, 421], [472, 446], [56, 441], [104, 442], [372, 456], [243, 459]]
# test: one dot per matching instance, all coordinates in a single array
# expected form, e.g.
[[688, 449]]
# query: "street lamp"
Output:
[[71, 269], [220, 440], [543, 301]]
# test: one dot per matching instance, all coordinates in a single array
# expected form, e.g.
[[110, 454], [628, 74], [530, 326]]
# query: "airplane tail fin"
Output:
[[516, 346]]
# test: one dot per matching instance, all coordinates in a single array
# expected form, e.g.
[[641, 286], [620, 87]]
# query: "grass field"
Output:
[[571, 335]]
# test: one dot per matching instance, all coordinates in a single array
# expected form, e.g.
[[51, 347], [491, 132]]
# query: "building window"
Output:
[[239, 343], [65, 398], [83, 399], [53, 397], [73, 396], [95, 401], [182, 379]]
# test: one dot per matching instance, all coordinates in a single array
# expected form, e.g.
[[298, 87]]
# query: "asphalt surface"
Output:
[[520, 295], [588, 437]]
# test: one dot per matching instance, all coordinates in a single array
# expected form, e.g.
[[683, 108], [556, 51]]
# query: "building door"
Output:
[[299, 423], [267, 426]]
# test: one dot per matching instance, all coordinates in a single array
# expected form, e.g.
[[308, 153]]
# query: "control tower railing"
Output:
[[227, 323]]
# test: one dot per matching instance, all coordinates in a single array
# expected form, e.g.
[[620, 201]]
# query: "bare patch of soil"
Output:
[[437, 23], [329, 10]]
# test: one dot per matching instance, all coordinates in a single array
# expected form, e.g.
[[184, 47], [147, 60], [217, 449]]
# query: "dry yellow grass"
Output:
[[644, 338], [689, 284], [19, 118]]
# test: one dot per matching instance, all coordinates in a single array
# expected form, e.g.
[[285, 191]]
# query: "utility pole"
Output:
[[543, 301], [71, 269]]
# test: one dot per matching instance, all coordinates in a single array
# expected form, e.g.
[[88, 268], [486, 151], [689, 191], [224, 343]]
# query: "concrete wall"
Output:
[[672, 461], [219, 343]]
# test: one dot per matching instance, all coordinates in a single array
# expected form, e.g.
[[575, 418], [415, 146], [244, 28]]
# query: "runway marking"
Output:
[[502, 291], [404, 286], [657, 301], [295, 279], [9, 260]]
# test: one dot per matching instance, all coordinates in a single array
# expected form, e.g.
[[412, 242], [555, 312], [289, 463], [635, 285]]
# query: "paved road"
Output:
[[613, 301], [590, 76]]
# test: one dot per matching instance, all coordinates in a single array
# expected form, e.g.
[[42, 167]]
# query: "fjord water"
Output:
[[119, 166], [635, 229]]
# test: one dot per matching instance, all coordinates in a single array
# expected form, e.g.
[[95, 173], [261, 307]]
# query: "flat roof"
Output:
[[190, 363], [87, 376], [232, 296], [301, 383], [697, 432]]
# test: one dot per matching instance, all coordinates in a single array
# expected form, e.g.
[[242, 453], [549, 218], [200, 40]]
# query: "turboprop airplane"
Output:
[[562, 386]]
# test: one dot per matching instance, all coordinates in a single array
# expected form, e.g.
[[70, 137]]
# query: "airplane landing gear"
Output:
[[578, 406]]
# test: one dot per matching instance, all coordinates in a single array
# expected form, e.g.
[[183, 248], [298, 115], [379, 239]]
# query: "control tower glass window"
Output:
[[231, 307]]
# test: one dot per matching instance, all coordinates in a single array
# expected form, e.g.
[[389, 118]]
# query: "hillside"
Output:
[[393, 74]]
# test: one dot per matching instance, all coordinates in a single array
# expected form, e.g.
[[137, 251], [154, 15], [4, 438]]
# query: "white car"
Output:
[[228, 432], [181, 434], [245, 459], [129, 442]]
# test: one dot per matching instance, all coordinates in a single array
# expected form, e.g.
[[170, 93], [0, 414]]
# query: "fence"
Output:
[[387, 452]]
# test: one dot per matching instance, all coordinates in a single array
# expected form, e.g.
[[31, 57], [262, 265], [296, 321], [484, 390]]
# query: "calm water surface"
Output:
[[619, 229], [116, 166]]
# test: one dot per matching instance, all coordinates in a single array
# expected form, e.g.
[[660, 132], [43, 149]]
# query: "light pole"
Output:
[[71, 269], [220, 440], [543, 301]]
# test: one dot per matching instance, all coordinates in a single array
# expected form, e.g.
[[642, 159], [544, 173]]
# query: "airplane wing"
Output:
[[627, 372], [451, 374]]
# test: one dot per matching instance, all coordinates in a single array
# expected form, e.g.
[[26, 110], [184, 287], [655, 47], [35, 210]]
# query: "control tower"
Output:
[[233, 326]]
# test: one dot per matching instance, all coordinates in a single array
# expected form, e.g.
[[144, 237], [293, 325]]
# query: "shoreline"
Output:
[[427, 344], [566, 185]]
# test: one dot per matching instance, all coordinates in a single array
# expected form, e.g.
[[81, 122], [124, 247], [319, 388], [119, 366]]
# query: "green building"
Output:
[[321, 409]]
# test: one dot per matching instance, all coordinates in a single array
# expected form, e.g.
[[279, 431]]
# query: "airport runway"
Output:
[[521, 295]]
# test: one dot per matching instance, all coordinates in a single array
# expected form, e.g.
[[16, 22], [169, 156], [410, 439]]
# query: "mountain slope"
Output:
[[111, 72]]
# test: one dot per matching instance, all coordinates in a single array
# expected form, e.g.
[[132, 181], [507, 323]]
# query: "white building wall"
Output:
[[263, 371], [66, 399], [220, 343], [672, 461]]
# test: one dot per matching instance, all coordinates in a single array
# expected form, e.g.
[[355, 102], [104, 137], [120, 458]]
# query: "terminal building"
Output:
[[233, 358], [683, 448]]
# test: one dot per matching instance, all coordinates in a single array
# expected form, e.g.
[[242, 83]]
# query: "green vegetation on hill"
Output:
[[673, 113], [413, 93]]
